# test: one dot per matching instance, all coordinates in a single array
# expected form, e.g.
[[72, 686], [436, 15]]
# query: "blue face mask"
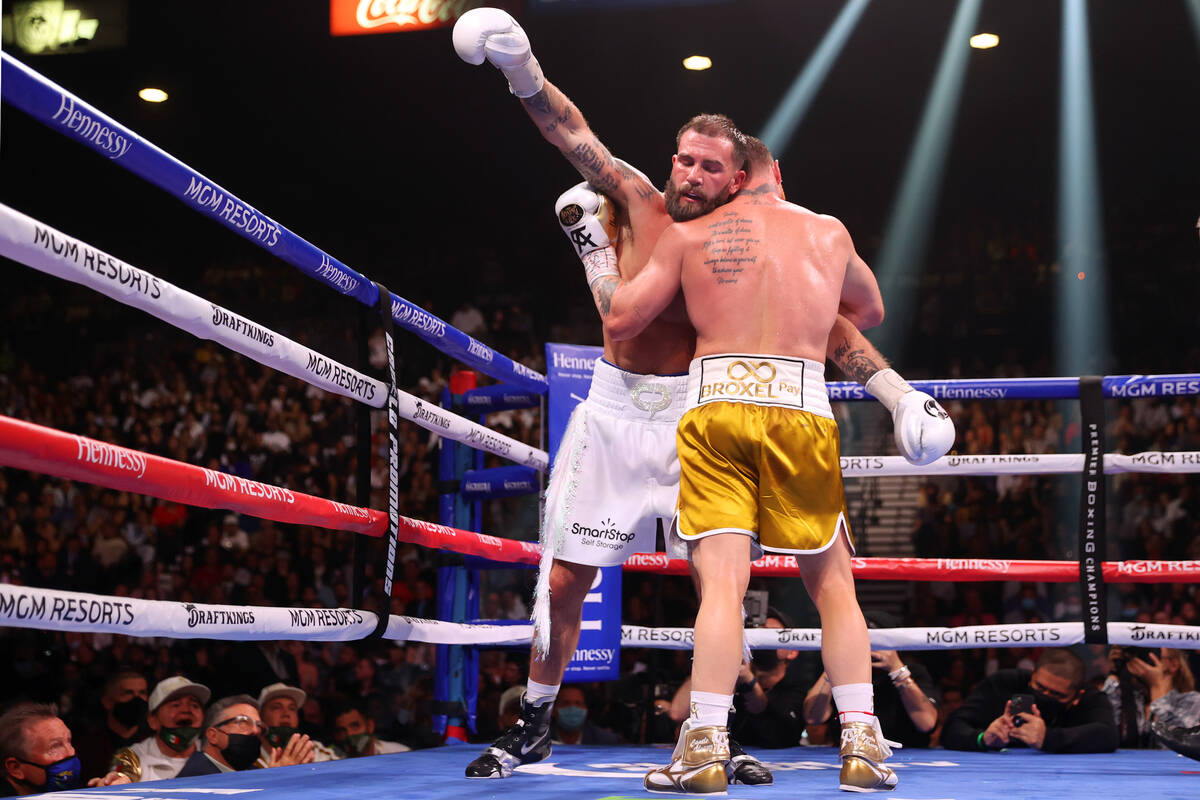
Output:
[[61, 774], [571, 718]]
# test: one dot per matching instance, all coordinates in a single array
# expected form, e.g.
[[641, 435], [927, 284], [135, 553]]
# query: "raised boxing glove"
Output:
[[492, 34], [586, 218], [923, 430]]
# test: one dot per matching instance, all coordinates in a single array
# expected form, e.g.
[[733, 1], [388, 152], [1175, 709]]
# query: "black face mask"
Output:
[[278, 735], [765, 659], [242, 750], [1049, 706], [131, 712]]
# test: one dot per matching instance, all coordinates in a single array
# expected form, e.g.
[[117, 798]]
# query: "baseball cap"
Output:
[[170, 688], [510, 694], [276, 689]]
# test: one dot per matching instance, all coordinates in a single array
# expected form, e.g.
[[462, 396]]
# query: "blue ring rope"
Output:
[[1120, 386]]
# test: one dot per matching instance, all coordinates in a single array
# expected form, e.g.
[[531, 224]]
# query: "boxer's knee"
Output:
[[569, 585]]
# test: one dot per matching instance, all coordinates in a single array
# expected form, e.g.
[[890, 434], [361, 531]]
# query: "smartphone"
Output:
[[1021, 704], [1129, 651]]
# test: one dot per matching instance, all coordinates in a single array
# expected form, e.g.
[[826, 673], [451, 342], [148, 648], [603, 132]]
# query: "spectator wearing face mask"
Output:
[[279, 705], [232, 740], [36, 752], [570, 723], [354, 734], [176, 711], [1066, 715], [125, 701]]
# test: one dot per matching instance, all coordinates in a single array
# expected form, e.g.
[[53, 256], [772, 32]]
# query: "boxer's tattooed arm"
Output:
[[602, 291], [563, 126], [595, 163], [639, 181], [856, 362]]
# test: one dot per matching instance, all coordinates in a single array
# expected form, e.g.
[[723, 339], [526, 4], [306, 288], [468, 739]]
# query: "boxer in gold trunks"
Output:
[[662, 347], [763, 281]]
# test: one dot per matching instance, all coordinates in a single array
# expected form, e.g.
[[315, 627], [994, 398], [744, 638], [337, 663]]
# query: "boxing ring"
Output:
[[607, 773]]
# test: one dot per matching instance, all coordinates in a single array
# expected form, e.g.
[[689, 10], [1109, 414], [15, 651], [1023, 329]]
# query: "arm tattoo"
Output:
[[602, 291], [596, 164], [855, 363], [539, 103], [641, 186]]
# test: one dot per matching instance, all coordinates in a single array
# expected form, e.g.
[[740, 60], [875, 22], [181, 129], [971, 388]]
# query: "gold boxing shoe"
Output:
[[697, 764], [862, 752]]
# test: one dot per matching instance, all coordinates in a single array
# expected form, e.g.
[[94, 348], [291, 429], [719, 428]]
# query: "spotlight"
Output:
[[697, 63], [151, 95], [788, 115], [984, 41]]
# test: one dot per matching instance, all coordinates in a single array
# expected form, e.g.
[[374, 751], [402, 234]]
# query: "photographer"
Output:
[[1049, 709], [902, 703], [1148, 684]]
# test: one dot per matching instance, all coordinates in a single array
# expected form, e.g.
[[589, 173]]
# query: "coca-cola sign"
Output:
[[354, 17]]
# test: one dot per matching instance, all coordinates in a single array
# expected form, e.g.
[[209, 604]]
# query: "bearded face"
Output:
[[685, 201]]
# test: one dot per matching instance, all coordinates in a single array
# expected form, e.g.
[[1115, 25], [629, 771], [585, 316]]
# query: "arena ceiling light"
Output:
[[697, 63], [984, 41], [152, 95]]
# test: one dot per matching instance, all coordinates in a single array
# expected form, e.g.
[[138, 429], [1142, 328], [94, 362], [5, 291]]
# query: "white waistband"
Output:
[[634, 396], [761, 380]]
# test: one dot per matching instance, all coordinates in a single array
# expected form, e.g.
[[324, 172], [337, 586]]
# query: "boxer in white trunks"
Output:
[[616, 473]]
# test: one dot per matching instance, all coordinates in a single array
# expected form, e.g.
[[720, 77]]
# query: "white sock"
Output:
[[538, 693], [710, 708], [855, 702]]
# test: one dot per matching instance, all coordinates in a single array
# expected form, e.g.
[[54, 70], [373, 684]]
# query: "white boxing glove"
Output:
[[492, 34], [586, 218], [924, 431]]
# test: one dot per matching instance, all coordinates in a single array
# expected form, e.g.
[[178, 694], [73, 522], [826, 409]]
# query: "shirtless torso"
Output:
[[759, 274], [762, 275], [668, 342]]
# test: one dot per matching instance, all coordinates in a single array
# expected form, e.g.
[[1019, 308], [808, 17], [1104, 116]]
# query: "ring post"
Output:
[[1093, 542]]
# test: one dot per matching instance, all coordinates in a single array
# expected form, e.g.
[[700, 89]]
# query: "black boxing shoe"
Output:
[[527, 741], [746, 769], [1185, 741]]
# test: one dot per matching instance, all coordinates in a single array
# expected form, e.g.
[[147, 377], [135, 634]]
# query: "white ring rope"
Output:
[[48, 250], [52, 609], [1045, 464]]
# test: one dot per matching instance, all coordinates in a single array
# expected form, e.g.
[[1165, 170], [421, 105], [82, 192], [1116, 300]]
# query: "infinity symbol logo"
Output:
[[752, 368]]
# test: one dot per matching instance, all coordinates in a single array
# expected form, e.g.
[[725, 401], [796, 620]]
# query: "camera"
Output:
[[1020, 704]]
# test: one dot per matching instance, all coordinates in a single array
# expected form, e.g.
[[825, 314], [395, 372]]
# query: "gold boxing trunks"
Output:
[[759, 454]]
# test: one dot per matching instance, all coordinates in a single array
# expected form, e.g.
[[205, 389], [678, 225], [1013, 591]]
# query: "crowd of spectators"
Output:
[[139, 385]]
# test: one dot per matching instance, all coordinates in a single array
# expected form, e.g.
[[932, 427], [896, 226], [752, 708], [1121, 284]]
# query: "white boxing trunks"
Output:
[[616, 472]]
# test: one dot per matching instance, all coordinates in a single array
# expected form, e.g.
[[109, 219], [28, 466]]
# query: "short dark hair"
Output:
[[721, 127], [1064, 664], [114, 680], [13, 738], [344, 705], [759, 160], [216, 712]]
